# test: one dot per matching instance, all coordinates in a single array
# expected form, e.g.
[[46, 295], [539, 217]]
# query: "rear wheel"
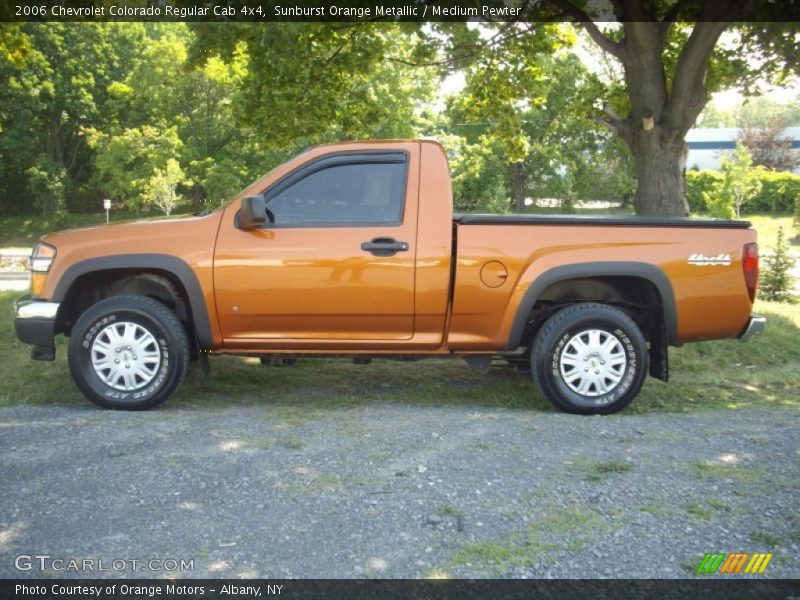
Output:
[[128, 352], [590, 359]]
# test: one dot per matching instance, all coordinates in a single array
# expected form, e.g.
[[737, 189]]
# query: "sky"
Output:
[[732, 98]]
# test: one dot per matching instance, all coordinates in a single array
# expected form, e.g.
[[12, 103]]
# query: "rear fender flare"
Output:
[[646, 271]]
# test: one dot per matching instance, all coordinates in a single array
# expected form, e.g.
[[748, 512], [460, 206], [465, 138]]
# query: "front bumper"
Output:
[[34, 323], [754, 328]]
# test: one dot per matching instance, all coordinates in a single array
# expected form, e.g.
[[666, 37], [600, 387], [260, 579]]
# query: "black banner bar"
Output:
[[357, 11], [292, 589]]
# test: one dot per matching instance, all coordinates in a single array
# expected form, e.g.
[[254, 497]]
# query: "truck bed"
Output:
[[696, 264]]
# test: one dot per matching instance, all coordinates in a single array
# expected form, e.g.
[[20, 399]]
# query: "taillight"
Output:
[[750, 266]]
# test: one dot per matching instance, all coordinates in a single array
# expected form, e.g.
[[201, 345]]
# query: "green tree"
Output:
[[668, 60], [738, 184], [540, 129], [125, 162], [164, 91], [478, 169], [160, 189], [309, 83], [507, 103], [46, 181], [53, 83], [777, 281]]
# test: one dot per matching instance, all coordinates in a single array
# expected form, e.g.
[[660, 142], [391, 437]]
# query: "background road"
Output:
[[394, 490]]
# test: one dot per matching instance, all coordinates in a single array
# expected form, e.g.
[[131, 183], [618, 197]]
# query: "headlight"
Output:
[[42, 258]]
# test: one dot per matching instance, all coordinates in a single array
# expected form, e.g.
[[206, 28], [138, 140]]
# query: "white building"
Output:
[[706, 146]]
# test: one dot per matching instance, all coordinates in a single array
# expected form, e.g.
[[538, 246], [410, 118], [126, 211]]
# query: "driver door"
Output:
[[335, 265]]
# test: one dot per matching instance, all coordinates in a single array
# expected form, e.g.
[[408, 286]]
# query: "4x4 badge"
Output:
[[703, 260]]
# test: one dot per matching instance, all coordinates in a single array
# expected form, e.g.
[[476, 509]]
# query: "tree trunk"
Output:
[[518, 187], [198, 195], [660, 171], [659, 115]]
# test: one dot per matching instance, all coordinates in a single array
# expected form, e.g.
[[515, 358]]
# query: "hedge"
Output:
[[780, 192]]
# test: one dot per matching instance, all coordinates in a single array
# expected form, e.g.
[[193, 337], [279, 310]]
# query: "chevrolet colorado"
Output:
[[353, 249]]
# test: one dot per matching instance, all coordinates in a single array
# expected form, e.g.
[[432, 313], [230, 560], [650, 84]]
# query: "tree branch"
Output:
[[616, 49], [688, 88], [611, 113], [614, 126], [669, 20]]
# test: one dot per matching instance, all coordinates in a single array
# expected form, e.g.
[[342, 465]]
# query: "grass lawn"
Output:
[[709, 375], [767, 227]]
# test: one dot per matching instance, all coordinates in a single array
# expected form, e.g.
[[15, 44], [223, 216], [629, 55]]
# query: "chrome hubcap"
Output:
[[126, 356], [593, 362]]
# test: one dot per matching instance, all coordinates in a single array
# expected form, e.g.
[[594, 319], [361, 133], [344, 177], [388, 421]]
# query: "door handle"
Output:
[[384, 246]]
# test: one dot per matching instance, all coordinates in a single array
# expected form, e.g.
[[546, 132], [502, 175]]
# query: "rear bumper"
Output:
[[754, 328], [34, 323]]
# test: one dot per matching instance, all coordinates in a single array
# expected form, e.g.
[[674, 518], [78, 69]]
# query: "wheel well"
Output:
[[636, 296], [90, 288]]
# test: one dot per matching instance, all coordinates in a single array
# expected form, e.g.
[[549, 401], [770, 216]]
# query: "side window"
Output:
[[345, 194]]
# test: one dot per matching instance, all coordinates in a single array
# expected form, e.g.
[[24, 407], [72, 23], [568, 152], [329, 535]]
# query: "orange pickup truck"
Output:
[[353, 249]]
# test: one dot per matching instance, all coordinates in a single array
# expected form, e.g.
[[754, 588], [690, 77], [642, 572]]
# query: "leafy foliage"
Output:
[[47, 180], [110, 104], [160, 189], [778, 194], [93, 110], [738, 184], [126, 161], [314, 82], [666, 58], [535, 140]]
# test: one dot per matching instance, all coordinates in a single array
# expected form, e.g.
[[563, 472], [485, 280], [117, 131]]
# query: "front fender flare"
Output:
[[162, 262]]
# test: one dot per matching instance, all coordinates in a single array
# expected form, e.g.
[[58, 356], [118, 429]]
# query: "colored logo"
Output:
[[734, 563]]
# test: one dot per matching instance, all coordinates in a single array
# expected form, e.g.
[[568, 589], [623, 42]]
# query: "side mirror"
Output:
[[252, 212]]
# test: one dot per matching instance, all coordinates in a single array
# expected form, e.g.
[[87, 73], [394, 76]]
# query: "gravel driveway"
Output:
[[389, 490]]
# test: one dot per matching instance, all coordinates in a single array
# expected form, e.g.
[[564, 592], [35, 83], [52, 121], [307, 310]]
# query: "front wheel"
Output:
[[589, 358], [128, 352]]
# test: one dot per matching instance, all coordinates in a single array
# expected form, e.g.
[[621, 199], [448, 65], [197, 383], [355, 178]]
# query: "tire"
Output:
[[609, 364], [119, 329]]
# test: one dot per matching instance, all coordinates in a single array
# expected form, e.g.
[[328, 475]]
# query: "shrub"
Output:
[[740, 182], [780, 192], [776, 281], [699, 183]]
